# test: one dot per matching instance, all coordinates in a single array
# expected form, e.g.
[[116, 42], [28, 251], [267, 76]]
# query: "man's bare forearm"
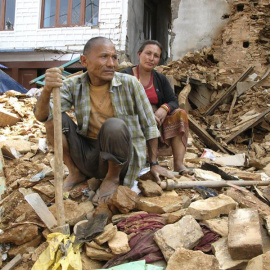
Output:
[[152, 146], [53, 78], [42, 109]]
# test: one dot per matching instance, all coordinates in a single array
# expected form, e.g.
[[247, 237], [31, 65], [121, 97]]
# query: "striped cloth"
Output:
[[130, 104]]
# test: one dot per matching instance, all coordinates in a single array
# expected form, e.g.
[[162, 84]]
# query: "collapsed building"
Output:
[[226, 90]]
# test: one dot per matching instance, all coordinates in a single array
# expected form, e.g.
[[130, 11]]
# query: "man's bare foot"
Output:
[[72, 180], [106, 190], [183, 170]]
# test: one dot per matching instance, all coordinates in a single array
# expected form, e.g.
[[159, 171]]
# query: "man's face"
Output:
[[100, 62]]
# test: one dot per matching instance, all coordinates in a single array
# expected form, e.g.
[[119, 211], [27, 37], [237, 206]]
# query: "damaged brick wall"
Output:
[[245, 40]]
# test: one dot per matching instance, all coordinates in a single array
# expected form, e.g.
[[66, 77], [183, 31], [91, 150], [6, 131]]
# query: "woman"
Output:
[[172, 121]]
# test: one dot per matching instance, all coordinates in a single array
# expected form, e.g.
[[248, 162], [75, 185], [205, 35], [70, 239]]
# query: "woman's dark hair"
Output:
[[150, 42]]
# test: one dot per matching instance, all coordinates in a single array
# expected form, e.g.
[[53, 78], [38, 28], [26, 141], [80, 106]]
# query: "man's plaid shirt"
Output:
[[130, 104]]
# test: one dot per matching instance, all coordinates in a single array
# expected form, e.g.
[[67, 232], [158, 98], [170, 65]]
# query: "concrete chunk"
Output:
[[244, 238], [220, 249], [190, 260], [185, 233], [261, 262], [211, 207]]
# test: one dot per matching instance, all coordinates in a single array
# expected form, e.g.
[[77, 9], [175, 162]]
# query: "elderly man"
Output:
[[114, 118]]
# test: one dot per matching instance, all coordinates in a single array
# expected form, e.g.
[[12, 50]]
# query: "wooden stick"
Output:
[[204, 135], [228, 92], [58, 157], [170, 184], [249, 125], [13, 263]]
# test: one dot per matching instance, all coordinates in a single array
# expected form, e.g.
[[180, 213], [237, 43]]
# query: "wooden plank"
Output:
[[2, 174], [232, 105], [183, 97], [58, 157], [242, 88], [249, 125], [41, 209], [205, 136], [228, 92], [13, 263]]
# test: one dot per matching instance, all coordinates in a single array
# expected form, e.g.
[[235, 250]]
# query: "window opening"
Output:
[[7, 14], [240, 7], [57, 13], [245, 44]]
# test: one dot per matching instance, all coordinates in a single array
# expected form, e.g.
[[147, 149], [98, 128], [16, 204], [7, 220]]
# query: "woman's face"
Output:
[[149, 57]]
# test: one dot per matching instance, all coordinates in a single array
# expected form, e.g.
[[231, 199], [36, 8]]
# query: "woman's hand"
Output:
[[160, 115]]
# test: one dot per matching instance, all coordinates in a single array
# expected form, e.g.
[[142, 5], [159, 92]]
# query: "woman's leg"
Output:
[[179, 151]]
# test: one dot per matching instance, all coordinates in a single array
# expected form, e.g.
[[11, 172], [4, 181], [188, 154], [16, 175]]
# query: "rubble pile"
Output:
[[237, 63], [201, 221], [166, 228]]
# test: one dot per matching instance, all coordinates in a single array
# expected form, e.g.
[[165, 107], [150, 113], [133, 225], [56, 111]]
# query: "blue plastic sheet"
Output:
[[7, 83]]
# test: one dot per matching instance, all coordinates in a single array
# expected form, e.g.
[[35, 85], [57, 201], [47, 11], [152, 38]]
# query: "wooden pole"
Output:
[[171, 184], [58, 157]]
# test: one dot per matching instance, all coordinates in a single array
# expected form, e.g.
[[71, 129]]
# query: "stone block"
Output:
[[248, 200], [163, 204], [220, 249], [119, 243], [190, 260], [211, 207], [15, 250], [150, 188], [261, 262], [267, 223], [7, 118], [88, 263], [73, 210], [218, 225], [20, 234], [245, 237], [175, 216], [98, 254], [124, 199], [109, 232], [184, 233]]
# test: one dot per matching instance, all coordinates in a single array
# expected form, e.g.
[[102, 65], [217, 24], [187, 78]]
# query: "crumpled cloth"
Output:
[[60, 254], [209, 237], [142, 244]]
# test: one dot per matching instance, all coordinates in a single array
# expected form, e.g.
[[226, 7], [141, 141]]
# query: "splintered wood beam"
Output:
[[2, 174], [205, 136], [254, 122], [228, 92]]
